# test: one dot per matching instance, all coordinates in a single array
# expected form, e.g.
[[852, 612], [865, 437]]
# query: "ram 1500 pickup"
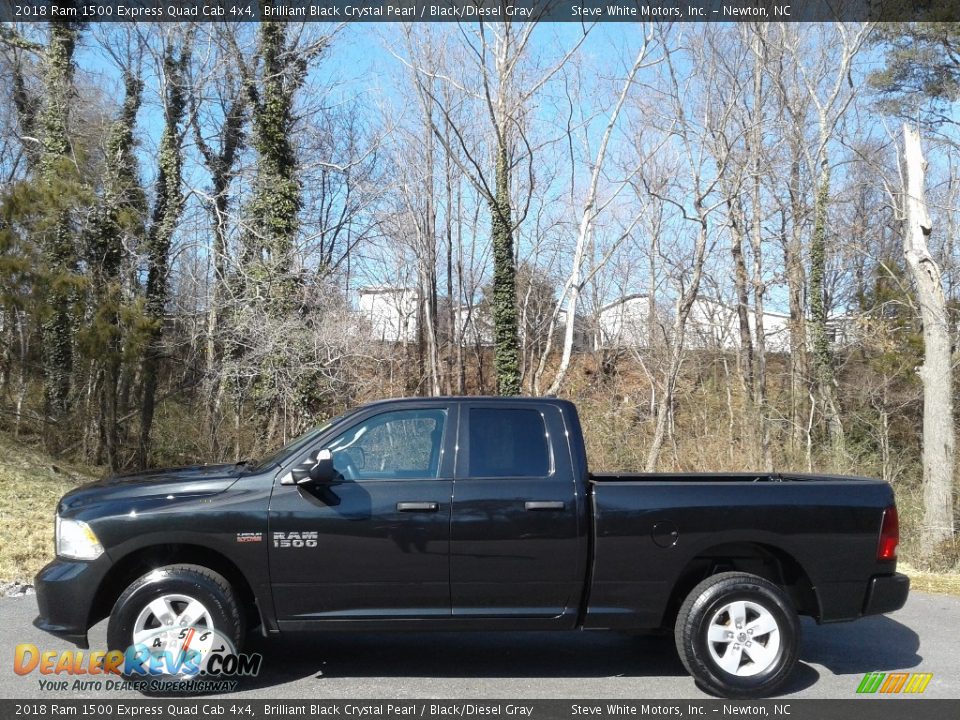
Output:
[[473, 514]]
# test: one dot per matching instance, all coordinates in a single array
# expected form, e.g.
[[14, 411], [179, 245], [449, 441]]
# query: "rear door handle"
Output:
[[418, 506], [544, 505]]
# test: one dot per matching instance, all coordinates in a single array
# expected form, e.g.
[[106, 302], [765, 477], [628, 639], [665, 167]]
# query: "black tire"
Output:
[[707, 605], [192, 581]]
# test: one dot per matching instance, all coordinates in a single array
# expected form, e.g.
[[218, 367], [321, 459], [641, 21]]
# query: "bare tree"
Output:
[[826, 85], [218, 115], [592, 209], [939, 425], [500, 55], [693, 126], [420, 198]]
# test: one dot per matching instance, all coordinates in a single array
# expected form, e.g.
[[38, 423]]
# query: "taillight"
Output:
[[889, 535]]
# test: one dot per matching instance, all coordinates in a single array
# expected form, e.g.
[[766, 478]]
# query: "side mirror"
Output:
[[322, 472]]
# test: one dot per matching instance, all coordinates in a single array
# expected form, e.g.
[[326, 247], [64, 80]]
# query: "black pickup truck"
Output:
[[474, 514]]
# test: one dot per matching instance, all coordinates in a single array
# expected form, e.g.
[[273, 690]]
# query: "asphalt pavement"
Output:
[[922, 637]]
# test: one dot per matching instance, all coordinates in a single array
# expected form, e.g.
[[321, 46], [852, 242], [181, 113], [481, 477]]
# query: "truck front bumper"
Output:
[[886, 593], [65, 596]]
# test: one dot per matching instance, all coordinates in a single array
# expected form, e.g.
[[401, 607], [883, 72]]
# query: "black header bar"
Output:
[[580, 11], [241, 707]]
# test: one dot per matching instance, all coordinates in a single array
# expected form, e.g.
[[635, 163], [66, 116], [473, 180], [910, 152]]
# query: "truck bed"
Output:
[[723, 477], [650, 528]]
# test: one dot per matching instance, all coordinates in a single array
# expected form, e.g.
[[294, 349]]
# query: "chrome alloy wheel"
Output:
[[174, 624], [743, 638]]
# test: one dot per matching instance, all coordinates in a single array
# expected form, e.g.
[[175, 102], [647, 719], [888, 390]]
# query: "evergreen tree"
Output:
[[921, 72]]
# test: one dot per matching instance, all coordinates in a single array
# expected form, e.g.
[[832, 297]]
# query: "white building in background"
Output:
[[713, 324], [391, 312], [473, 326], [842, 331], [624, 323]]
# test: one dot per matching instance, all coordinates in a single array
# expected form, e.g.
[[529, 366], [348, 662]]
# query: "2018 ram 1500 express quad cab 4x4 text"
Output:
[[474, 514]]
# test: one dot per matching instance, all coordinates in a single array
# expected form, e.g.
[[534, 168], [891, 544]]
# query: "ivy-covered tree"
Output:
[[167, 207], [56, 168], [268, 280], [120, 216], [506, 350]]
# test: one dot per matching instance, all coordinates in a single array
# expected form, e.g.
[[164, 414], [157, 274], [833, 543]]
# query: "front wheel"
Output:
[[171, 621], [738, 635]]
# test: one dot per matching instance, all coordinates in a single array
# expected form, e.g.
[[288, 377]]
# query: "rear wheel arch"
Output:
[[141, 561], [764, 560]]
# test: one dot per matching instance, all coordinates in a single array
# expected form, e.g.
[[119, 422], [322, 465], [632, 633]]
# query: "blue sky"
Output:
[[360, 65]]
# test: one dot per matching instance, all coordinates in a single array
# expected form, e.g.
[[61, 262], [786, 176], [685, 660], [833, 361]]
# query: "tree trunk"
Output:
[[166, 215], [681, 314], [745, 354], [585, 235], [452, 333], [796, 292], [427, 257], [212, 351], [58, 328], [756, 241], [822, 355], [939, 441], [506, 357]]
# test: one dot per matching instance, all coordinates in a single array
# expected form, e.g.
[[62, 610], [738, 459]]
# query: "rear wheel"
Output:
[[738, 635]]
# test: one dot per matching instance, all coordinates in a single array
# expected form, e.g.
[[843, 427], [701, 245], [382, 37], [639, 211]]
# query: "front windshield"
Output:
[[275, 457]]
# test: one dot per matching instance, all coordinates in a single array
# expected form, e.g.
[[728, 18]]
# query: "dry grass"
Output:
[[941, 583], [30, 486]]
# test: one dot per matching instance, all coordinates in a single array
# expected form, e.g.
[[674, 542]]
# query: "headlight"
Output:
[[75, 540]]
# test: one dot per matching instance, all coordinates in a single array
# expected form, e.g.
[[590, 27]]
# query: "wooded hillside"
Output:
[[191, 214]]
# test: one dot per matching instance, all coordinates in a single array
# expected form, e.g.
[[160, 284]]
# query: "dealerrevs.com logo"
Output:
[[193, 659], [894, 683]]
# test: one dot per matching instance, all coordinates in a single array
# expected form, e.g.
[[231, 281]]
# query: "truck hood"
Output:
[[191, 481]]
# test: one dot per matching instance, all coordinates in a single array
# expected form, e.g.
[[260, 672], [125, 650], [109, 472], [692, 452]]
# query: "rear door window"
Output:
[[508, 442]]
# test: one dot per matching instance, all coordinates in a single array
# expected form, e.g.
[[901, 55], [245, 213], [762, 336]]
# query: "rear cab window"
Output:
[[508, 442]]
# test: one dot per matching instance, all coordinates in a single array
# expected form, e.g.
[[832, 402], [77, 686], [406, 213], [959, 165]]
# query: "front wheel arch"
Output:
[[141, 561]]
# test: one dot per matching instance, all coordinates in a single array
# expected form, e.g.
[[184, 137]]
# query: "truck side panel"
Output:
[[647, 534]]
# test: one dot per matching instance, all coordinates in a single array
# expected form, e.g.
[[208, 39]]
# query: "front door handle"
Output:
[[418, 506], [543, 505]]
